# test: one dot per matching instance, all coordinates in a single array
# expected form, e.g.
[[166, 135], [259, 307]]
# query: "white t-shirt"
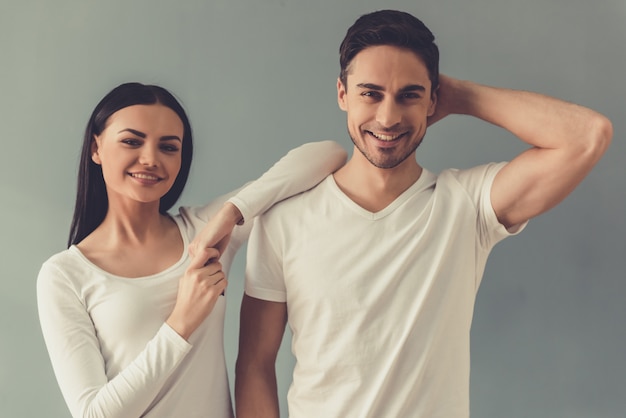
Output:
[[112, 353], [380, 304]]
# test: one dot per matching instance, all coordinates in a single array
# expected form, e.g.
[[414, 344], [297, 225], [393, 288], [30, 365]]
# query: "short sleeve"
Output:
[[477, 183], [264, 270]]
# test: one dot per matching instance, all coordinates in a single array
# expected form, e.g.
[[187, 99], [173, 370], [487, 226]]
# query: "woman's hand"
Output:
[[198, 290], [216, 233]]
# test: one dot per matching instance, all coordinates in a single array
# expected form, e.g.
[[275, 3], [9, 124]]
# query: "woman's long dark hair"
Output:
[[91, 196]]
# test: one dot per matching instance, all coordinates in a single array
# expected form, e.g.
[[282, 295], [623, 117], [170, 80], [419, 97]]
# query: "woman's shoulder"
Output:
[[62, 258], [61, 267], [67, 263]]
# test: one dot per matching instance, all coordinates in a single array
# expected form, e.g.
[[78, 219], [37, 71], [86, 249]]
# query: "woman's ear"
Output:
[[95, 144]]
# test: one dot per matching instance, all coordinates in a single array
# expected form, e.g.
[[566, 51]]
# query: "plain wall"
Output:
[[258, 78]]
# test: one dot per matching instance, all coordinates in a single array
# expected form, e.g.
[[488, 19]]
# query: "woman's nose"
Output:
[[148, 156]]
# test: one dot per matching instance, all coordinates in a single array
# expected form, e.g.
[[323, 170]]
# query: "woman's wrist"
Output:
[[232, 213], [178, 327]]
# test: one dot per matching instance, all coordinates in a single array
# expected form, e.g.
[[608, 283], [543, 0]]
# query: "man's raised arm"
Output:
[[566, 140]]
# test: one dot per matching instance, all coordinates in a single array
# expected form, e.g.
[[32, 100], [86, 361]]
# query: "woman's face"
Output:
[[140, 153]]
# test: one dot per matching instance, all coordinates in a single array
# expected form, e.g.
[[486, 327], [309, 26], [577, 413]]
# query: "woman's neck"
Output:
[[134, 244], [134, 223]]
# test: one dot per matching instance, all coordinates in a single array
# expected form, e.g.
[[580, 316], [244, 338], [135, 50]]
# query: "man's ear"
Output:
[[95, 144], [341, 95], [432, 107]]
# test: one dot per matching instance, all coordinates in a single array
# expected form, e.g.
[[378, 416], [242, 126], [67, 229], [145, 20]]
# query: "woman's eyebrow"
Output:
[[143, 135], [134, 132]]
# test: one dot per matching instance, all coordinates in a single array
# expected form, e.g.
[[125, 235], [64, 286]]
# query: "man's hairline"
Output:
[[349, 65]]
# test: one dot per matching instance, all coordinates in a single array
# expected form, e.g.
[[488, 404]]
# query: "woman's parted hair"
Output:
[[390, 27], [91, 196]]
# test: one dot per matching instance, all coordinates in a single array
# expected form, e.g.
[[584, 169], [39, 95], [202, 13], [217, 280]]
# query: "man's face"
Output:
[[388, 99]]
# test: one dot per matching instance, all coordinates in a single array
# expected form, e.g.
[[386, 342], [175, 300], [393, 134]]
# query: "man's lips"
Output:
[[386, 139]]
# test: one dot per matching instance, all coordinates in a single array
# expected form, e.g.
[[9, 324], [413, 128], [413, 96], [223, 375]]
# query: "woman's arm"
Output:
[[79, 364], [299, 170]]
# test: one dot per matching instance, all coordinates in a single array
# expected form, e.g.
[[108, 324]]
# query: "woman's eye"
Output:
[[169, 148], [131, 142]]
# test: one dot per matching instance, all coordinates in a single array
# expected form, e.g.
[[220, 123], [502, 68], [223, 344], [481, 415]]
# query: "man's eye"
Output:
[[371, 94], [410, 96]]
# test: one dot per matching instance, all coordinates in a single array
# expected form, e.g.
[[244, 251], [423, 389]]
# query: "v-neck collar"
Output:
[[425, 180]]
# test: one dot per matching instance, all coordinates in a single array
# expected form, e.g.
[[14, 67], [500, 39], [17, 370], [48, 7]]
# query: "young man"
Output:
[[376, 269]]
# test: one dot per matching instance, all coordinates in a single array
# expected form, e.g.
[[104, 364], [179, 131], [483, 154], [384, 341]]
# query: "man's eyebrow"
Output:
[[413, 87], [370, 86], [410, 87], [143, 135]]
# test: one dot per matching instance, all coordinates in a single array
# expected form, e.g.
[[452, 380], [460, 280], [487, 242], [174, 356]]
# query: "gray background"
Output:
[[258, 78]]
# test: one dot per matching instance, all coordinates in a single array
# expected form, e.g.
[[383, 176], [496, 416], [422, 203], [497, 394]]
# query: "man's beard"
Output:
[[389, 163]]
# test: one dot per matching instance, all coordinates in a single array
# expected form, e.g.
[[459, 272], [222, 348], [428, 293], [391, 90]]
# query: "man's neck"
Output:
[[375, 188]]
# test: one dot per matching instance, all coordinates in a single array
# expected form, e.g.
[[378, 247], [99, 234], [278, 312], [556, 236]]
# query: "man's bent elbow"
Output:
[[600, 136]]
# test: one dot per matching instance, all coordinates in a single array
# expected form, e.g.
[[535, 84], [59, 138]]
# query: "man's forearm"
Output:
[[566, 139], [256, 391], [541, 121]]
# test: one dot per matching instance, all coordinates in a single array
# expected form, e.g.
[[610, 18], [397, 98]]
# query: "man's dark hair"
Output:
[[395, 28]]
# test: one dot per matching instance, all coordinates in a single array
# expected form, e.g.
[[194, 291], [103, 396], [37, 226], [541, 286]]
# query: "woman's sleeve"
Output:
[[299, 170], [78, 363]]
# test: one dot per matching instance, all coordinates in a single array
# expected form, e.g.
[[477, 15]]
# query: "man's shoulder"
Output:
[[470, 176]]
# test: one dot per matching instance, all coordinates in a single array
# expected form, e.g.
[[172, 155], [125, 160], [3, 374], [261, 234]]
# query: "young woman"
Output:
[[132, 321]]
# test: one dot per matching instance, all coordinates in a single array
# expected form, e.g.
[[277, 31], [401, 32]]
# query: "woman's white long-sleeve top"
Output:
[[112, 352]]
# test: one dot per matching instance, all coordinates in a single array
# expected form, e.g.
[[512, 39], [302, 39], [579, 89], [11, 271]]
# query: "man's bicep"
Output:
[[260, 336], [262, 325], [263, 308], [264, 262]]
